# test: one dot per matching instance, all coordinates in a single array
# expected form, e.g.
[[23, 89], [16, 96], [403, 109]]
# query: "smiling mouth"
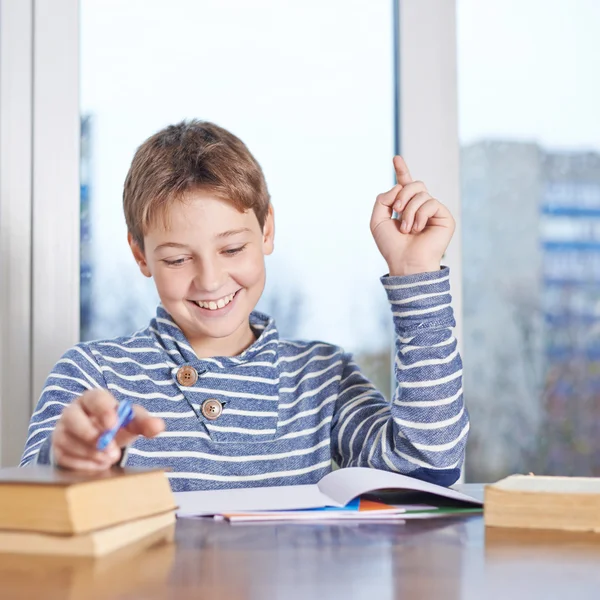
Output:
[[215, 304]]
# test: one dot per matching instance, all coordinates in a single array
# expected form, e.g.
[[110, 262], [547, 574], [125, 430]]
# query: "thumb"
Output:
[[383, 208]]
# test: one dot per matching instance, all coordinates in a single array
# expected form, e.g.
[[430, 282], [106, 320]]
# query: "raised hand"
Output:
[[415, 241]]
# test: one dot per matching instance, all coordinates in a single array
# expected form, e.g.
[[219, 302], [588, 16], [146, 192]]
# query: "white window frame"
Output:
[[39, 171], [16, 85], [55, 177], [429, 115]]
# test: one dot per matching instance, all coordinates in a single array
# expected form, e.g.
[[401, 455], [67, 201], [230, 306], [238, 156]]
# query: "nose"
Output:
[[210, 276]]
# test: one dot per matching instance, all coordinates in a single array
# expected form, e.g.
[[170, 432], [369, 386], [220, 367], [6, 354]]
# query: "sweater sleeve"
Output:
[[422, 432], [74, 373]]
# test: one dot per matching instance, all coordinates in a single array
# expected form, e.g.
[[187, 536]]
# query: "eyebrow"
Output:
[[232, 232], [169, 245]]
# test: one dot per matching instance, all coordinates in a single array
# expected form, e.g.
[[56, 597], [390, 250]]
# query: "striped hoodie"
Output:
[[290, 407]]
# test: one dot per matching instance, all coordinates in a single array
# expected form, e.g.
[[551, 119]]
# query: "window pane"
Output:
[[530, 136], [308, 86]]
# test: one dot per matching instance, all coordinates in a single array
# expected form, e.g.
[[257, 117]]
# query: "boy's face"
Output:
[[208, 267]]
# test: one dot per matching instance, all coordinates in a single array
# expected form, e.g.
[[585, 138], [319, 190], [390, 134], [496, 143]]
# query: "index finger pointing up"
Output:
[[403, 176]]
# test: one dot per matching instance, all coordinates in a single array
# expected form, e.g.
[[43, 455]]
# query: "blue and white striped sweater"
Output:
[[290, 407]]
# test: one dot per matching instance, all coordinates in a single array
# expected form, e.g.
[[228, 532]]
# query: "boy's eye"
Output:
[[234, 251], [174, 263]]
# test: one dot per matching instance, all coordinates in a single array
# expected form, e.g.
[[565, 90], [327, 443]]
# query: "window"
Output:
[[314, 102], [530, 170], [87, 81]]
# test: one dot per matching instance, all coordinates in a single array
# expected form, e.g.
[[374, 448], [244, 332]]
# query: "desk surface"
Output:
[[436, 559]]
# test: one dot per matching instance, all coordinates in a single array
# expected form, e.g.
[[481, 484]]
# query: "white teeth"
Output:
[[214, 305]]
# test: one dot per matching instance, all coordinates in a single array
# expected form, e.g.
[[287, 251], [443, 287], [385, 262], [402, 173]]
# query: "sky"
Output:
[[308, 85], [530, 70]]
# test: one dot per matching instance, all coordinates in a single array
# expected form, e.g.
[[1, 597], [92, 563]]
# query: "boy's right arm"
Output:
[[74, 409]]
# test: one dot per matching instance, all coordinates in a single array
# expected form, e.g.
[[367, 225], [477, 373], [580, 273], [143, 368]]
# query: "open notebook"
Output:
[[336, 489]]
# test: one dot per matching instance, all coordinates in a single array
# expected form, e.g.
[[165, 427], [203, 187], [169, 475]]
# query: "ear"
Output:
[[269, 232], [139, 256]]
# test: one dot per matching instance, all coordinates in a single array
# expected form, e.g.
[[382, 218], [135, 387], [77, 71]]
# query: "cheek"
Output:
[[250, 271], [170, 283]]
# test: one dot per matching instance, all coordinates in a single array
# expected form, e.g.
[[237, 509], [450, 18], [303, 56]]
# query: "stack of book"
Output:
[[544, 502], [51, 511]]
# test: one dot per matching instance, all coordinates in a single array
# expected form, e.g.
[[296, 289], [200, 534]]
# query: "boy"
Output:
[[220, 399]]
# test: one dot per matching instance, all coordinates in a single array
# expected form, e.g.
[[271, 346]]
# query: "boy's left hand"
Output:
[[416, 241]]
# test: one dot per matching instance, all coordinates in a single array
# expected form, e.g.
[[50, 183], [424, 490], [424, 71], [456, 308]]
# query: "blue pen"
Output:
[[124, 416]]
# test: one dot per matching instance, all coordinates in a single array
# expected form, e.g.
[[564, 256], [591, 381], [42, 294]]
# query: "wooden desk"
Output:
[[426, 560]]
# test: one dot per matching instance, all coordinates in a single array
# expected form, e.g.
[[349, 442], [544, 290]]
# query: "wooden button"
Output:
[[187, 375], [212, 409]]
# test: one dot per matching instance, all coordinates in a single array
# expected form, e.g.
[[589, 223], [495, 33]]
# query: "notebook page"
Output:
[[344, 485], [212, 502]]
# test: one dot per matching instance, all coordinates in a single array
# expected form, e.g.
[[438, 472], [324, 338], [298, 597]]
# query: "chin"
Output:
[[221, 330]]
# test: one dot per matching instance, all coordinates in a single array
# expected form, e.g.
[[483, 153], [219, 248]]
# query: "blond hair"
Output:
[[186, 157]]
